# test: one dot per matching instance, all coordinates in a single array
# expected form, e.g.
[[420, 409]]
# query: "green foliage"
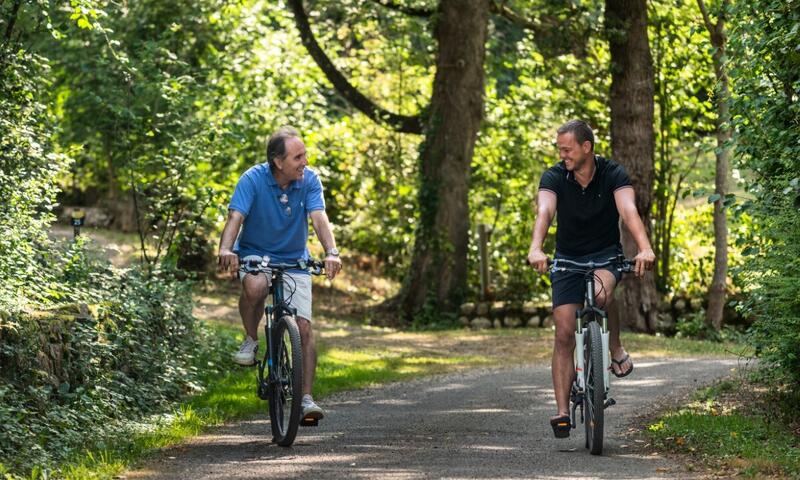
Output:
[[684, 128], [692, 247], [28, 166], [131, 92], [764, 68], [72, 381], [695, 326], [723, 427]]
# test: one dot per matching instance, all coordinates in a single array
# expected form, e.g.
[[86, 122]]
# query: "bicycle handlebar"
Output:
[[563, 265], [623, 264], [312, 266]]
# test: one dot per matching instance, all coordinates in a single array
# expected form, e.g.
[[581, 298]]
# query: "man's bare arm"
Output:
[[547, 202], [625, 199], [227, 260], [322, 227]]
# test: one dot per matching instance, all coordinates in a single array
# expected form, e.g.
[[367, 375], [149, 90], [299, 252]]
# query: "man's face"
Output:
[[292, 165], [572, 153]]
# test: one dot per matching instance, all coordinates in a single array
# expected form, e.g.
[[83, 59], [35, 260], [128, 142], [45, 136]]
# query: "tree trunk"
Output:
[[716, 292], [633, 139], [437, 278]]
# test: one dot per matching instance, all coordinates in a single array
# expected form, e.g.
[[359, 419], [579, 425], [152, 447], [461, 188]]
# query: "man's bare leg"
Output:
[[605, 300], [563, 366], [309, 354], [251, 303]]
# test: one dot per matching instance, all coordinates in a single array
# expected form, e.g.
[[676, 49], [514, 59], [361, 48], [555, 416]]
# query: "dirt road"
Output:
[[479, 424]]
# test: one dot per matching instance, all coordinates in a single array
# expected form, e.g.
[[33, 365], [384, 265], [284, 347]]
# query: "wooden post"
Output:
[[483, 248]]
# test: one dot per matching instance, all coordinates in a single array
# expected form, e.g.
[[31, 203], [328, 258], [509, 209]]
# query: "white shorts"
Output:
[[296, 291]]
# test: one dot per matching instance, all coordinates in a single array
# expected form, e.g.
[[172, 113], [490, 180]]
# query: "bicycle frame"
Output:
[[589, 309], [275, 311]]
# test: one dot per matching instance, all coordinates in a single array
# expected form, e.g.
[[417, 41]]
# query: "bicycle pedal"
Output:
[[610, 402], [309, 422]]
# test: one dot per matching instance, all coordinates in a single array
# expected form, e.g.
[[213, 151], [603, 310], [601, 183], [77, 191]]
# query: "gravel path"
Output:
[[483, 424]]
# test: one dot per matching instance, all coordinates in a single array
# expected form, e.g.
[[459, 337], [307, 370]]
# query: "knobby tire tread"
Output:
[[284, 435], [595, 387]]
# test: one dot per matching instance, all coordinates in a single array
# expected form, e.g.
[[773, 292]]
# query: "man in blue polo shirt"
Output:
[[589, 194], [268, 216]]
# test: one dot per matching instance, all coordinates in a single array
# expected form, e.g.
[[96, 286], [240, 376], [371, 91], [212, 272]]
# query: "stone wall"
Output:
[[498, 314], [505, 315]]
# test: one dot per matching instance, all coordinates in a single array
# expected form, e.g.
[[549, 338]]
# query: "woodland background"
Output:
[[425, 119]]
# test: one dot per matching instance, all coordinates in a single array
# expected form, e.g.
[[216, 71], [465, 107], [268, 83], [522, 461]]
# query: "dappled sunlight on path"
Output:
[[487, 423]]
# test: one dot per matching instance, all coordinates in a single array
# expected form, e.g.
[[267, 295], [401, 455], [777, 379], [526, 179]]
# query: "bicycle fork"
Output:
[[264, 381], [579, 385]]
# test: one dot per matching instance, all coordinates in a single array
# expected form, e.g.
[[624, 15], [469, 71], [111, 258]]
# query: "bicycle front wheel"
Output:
[[286, 389], [594, 399]]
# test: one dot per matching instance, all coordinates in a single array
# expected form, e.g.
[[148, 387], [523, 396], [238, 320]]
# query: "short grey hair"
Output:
[[580, 129], [276, 145]]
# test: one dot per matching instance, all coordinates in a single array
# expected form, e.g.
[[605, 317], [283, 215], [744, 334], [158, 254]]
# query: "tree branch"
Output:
[[12, 20], [411, 11], [512, 16], [401, 123], [706, 16], [547, 30]]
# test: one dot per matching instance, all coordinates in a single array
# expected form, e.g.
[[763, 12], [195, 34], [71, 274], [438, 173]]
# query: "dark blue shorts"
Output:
[[570, 287]]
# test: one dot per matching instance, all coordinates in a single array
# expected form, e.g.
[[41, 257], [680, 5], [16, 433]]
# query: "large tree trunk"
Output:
[[437, 279], [633, 139], [716, 293]]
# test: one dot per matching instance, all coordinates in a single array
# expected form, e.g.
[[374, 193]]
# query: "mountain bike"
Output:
[[280, 373], [590, 389]]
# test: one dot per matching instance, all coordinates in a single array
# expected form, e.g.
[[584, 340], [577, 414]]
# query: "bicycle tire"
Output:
[[285, 395], [594, 399]]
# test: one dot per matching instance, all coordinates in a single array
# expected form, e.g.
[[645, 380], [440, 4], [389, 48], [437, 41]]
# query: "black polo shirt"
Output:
[[587, 219]]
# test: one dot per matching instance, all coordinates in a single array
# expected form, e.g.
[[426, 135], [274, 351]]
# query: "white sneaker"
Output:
[[311, 409], [247, 352]]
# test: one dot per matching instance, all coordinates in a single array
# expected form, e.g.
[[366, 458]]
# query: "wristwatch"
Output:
[[333, 252]]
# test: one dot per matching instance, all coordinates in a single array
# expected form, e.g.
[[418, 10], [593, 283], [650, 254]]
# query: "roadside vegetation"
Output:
[[738, 427]]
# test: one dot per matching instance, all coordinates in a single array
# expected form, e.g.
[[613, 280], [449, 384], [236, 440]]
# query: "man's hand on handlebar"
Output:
[[228, 262], [644, 261], [538, 260]]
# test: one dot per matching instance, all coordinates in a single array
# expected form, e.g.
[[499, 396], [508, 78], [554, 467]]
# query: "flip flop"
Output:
[[619, 364], [561, 426]]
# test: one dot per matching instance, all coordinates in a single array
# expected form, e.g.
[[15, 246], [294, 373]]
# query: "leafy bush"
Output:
[[74, 380], [695, 326], [27, 167], [766, 115], [775, 299]]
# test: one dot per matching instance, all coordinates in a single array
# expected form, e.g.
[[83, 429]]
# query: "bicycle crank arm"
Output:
[[263, 390], [610, 402], [573, 417]]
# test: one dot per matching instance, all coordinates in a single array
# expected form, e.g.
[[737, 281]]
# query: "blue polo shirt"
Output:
[[276, 220]]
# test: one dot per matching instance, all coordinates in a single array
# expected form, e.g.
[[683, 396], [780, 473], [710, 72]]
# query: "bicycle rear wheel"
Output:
[[286, 392], [594, 399]]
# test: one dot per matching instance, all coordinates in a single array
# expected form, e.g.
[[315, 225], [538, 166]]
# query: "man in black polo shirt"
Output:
[[588, 194]]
